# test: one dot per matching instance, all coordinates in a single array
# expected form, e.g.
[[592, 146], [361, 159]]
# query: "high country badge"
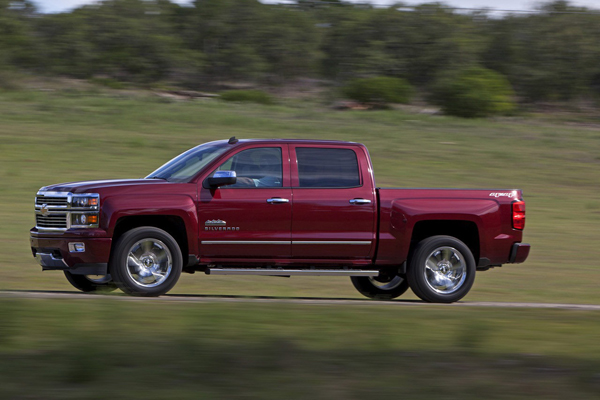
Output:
[[219, 225]]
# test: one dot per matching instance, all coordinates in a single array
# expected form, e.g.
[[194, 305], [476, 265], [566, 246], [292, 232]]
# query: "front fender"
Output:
[[182, 206]]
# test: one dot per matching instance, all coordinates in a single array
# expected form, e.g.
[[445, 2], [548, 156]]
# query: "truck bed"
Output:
[[406, 213]]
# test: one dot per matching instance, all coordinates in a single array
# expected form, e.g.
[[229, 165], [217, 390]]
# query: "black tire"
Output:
[[87, 285], [380, 288], [155, 265], [450, 278]]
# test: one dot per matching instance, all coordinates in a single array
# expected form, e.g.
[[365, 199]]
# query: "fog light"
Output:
[[76, 247]]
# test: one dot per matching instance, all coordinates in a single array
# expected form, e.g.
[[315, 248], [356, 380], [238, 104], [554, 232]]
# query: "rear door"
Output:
[[334, 203], [251, 219]]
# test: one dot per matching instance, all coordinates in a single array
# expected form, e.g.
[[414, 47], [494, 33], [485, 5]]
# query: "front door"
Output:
[[334, 203], [251, 219]]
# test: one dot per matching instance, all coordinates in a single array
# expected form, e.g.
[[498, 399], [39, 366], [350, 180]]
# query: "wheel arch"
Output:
[[172, 224], [465, 231]]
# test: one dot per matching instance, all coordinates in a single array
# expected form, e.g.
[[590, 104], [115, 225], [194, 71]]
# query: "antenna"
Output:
[[233, 140]]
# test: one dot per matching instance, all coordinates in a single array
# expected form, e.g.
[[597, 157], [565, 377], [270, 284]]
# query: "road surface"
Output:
[[194, 298]]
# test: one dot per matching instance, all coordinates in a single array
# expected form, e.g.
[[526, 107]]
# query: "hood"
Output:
[[91, 186]]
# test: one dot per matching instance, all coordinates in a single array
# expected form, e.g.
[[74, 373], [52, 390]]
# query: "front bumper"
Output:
[[50, 260], [519, 253], [52, 253]]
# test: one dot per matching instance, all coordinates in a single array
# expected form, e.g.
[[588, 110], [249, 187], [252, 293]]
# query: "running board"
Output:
[[290, 272]]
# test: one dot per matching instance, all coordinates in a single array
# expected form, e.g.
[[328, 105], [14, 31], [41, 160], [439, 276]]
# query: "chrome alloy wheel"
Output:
[[386, 283], [445, 270], [99, 279], [149, 262]]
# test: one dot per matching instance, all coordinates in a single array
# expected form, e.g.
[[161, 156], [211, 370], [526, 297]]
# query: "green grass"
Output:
[[69, 135], [247, 96], [102, 348]]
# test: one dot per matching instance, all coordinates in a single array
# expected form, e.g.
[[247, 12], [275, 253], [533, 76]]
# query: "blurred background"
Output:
[[471, 94]]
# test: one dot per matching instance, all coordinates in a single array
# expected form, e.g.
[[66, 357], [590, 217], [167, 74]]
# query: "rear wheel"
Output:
[[147, 261], [91, 283], [441, 270], [380, 287]]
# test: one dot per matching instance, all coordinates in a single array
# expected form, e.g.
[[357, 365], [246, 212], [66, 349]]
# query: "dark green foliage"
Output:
[[380, 89], [474, 92], [250, 96], [17, 44], [128, 40], [549, 55], [416, 45]]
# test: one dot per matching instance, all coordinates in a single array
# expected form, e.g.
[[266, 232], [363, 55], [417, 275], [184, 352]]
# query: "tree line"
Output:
[[552, 54]]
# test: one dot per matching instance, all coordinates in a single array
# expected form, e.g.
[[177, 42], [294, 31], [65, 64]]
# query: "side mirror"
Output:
[[222, 178]]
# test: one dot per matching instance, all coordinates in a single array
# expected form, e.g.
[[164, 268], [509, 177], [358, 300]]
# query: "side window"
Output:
[[259, 167], [325, 167]]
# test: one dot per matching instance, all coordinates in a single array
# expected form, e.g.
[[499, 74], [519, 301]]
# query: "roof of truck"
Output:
[[233, 140]]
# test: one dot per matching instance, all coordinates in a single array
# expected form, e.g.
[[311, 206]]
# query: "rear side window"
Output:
[[327, 168]]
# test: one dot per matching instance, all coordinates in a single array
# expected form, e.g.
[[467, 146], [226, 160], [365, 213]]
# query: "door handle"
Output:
[[277, 200], [359, 202]]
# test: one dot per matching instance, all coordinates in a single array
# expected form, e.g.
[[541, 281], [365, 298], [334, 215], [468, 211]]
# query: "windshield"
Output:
[[185, 166]]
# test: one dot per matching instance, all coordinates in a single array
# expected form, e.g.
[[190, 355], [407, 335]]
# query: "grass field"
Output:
[[58, 349], [104, 348], [69, 135]]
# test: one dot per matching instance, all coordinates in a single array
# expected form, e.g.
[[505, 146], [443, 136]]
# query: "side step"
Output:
[[290, 272]]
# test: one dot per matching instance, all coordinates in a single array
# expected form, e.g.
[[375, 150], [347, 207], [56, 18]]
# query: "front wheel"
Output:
[[441, 270], [381, 288], [146, 261], [91, 283]]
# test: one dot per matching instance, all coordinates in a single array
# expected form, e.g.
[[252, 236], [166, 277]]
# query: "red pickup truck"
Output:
[[278, 208]]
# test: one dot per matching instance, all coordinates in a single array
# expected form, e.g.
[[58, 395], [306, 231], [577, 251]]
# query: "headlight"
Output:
[[85, 201], [87, 220], [85, 210]]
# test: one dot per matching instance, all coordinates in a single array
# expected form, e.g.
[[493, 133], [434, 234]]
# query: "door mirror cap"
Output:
[[222, 178]]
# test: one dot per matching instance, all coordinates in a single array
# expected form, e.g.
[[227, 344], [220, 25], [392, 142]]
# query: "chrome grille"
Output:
[[53, 210], [52, 201], [57, 221]]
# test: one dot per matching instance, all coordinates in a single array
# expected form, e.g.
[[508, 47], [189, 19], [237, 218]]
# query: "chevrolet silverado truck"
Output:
[[276, 208]]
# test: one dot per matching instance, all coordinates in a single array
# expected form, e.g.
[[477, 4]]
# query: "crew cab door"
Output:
[[251, 219], [334, 203]]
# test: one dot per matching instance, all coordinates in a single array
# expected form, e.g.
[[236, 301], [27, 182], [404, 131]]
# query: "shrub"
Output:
[[380, 89], [474, 92], [251, 96]]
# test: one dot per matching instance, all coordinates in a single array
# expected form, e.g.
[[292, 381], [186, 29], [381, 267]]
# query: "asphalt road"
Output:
[[195, 298]]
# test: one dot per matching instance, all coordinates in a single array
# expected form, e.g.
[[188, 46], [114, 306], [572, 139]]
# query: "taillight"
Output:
[[518, 214]]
